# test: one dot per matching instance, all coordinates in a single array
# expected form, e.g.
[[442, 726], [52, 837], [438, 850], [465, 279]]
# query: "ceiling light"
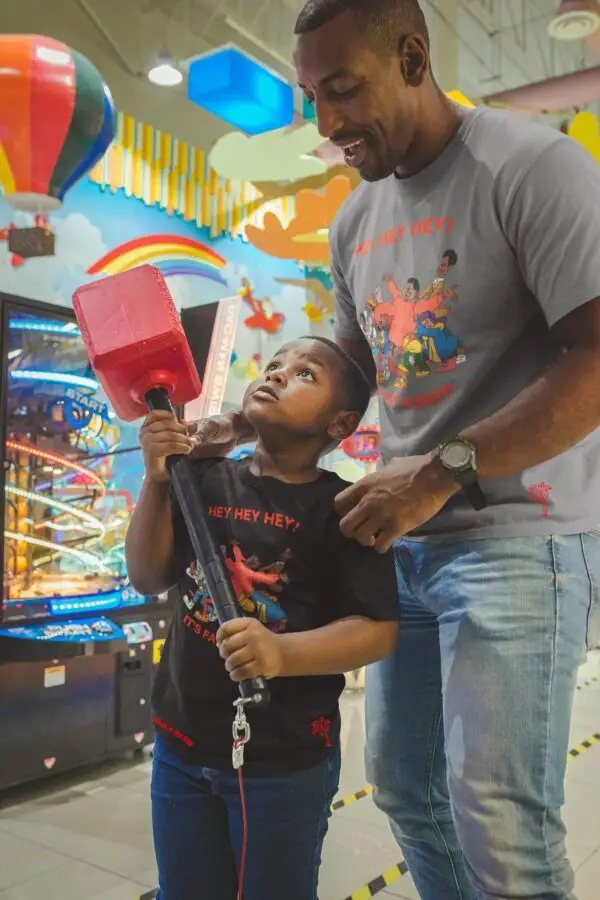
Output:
[[165, 73], [575, 20]]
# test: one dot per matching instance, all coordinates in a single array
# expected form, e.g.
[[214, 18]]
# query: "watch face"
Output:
[[456, 456]]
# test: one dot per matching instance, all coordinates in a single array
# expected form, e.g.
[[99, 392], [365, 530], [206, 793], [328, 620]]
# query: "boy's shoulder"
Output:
[[329, 485]]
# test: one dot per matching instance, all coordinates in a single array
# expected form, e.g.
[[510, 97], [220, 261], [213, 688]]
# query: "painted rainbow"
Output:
[[172, 254]]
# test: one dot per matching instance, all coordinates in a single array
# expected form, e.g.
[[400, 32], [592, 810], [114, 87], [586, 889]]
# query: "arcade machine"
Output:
[[77, 644]]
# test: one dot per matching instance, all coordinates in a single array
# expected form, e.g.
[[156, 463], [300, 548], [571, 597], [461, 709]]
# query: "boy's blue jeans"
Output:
[[468, 722], [197, 823]]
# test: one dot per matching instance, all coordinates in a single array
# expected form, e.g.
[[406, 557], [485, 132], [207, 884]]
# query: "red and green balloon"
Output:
[[57, 119]]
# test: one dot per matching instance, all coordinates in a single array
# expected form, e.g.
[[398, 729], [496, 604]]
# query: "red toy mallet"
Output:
[[140, 354]]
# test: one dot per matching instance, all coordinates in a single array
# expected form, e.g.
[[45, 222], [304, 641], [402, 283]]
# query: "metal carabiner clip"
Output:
[[241, 734]]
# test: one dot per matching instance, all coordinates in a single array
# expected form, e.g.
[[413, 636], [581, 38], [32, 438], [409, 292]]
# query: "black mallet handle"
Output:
[[207, 551]]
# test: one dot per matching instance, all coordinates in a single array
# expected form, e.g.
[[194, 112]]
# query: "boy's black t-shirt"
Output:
[[291, 568]]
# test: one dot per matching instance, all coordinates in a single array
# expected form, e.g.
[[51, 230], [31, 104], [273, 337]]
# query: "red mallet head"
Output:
[[135, 340]]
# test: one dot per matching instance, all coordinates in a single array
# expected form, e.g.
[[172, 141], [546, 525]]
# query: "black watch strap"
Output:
[[472, 490]]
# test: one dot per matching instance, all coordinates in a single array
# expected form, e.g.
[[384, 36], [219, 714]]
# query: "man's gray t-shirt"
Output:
[[456, 277]]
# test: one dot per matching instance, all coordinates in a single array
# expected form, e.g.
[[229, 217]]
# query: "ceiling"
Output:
[[479, 46]]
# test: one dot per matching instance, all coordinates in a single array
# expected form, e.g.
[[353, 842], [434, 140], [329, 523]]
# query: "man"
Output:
[[468, 723]]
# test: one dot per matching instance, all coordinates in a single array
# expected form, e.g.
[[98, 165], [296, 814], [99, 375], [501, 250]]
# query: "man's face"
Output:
[[362, 101], [444, 267], [410, 292]]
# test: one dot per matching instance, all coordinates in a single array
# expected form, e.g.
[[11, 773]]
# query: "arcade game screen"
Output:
[[71, 473]]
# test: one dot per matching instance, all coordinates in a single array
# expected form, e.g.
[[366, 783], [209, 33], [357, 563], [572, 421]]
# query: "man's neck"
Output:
[[441, 120]]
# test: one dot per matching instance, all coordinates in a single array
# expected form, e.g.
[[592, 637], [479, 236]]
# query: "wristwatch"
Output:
[[458, 457]]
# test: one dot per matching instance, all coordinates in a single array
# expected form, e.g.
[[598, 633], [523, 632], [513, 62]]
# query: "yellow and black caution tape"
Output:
[[380, 883], [585, 745], [351, 798], [588, 682]]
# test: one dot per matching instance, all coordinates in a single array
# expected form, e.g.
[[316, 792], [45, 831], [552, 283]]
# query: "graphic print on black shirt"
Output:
[[292, 569], [256, 588]]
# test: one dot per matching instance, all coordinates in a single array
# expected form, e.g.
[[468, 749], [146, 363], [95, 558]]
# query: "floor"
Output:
[[87, 837]]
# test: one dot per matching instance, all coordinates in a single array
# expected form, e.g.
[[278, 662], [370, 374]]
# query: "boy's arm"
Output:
[[249, 649], [150, 541]]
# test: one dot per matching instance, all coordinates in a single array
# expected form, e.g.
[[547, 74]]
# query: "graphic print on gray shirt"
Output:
[[456, 277]]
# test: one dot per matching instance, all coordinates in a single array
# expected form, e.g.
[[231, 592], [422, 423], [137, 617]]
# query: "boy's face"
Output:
[[297, 391]]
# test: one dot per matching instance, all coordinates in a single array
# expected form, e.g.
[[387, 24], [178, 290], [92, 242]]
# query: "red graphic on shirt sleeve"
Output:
[[322, 728], [541, 493]]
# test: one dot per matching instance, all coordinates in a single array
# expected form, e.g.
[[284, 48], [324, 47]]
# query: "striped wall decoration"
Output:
[[160, 170]]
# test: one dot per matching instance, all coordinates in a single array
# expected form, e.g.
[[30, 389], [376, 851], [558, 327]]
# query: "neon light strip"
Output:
[[54, 378], [62, 529], [88, 518], [109, 492], [57, 459], [88, 559], [68, 329], [74, 604]]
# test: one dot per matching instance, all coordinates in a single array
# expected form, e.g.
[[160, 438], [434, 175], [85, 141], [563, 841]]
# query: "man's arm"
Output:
[[558, 410], [348, 333], [358, 348], [219, 435]]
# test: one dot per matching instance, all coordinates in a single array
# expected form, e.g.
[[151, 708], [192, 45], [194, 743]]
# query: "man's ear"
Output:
[[344, 424], [414, 59]]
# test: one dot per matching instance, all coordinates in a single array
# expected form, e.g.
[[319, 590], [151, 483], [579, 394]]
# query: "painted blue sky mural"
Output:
[[92, 223]]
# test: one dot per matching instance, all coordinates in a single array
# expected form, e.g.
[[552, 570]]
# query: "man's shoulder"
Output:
[[499, 139]]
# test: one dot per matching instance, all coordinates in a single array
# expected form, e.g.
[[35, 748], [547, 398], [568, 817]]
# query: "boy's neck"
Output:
[[296, 464]]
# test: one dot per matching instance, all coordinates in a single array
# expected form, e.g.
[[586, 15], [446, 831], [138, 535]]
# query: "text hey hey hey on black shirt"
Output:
[[291, 568]]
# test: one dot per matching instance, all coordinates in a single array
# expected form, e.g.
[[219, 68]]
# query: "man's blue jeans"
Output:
[[468, 722], [197, 821]]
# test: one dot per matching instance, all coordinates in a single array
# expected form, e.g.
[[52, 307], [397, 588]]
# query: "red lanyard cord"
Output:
[[242, 871], [241, 736]]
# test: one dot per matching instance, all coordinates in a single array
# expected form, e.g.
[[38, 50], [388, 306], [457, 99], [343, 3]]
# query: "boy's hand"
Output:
[[250, 650], [163, 435]]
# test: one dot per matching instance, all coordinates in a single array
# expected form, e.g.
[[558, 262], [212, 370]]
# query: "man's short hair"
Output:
[[385, 20], [451, 256]]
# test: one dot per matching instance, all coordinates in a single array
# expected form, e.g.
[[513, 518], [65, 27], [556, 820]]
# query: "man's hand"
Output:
[[383, 507], [250, 650], [219, 435]]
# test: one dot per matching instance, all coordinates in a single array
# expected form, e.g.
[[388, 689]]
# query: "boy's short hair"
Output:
[[354, 389]]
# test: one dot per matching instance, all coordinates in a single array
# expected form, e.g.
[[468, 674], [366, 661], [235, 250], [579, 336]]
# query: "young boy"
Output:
[[318, 605]]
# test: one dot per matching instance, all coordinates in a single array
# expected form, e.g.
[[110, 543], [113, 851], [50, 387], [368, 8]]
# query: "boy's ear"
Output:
[[344, 424]]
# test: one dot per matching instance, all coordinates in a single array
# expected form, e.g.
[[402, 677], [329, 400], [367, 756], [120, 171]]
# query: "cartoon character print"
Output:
[[255, 587], [200, 602], [409, 333], [442, 348]]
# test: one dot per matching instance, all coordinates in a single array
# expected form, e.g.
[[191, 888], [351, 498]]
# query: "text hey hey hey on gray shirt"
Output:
[[456, 276]]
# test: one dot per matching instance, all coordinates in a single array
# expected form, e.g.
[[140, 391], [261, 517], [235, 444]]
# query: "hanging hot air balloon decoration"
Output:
[[57, 120]]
